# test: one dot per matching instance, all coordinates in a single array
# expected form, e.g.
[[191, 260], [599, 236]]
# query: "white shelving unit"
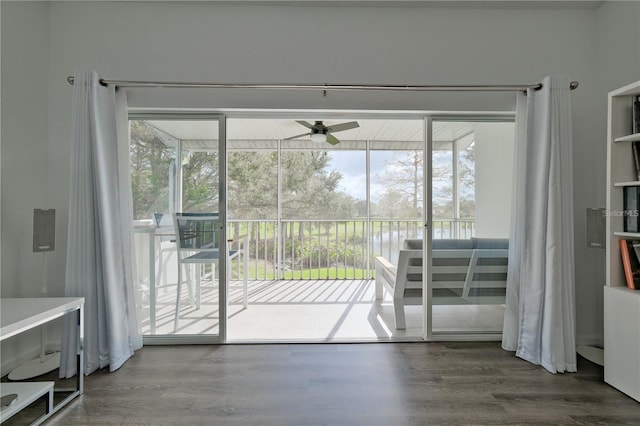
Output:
[[621, 305], [22, 314]]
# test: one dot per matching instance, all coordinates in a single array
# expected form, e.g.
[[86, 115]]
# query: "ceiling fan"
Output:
[[321, 133]]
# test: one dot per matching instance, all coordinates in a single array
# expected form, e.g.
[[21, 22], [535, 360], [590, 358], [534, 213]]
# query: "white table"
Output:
[[22, 314], [147, 227]]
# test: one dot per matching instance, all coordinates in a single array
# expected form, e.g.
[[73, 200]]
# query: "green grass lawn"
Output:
[[327, 273], [266, 273]]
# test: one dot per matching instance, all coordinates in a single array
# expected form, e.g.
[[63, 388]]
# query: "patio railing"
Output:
[[331, 249]]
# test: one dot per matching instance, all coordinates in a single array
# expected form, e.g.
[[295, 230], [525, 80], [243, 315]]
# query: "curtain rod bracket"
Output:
[[572, 86], [71, 80]]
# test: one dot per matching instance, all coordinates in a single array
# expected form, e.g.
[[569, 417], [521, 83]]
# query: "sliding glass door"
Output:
[[469, 176], [306, 212], [177, 167]]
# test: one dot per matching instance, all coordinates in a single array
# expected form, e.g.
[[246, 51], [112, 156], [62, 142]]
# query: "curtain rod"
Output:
[[325, 87]]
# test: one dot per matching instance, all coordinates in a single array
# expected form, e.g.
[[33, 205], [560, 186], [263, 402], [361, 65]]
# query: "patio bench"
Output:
[[463, 272]]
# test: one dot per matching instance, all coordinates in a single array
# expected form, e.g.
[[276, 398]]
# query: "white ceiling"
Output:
[[264, 130]]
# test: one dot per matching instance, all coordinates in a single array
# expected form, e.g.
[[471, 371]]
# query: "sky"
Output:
[[352, 165]]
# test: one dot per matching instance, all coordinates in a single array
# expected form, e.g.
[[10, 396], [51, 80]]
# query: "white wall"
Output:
[[25, 61], [494, 175], [281, 43], [617, 63]]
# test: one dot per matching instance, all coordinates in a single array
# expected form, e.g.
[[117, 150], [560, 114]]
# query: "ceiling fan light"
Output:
[[318, 137]]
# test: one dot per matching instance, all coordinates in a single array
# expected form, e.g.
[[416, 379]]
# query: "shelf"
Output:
[[628, 90], [628, 138], [27, 393], [627, 234], [624, 289], [623, 184]]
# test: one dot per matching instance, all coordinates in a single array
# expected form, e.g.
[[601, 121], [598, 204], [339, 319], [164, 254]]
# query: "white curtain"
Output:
[[99, 239], [539, 321]]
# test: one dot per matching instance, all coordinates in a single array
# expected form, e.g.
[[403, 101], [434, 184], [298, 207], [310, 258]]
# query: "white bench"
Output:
[[403, 290], [473, 274]]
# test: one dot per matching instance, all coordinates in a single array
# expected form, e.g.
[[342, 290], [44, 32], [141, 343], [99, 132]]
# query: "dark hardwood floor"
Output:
[[344, 384]]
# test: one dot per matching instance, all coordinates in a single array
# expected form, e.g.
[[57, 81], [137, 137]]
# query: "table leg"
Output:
[[80, 378], [245, 256], [152, 283], [198, 277], [50, 400]]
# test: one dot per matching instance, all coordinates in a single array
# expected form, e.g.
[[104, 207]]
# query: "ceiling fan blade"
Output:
[[332, 139], [296, 136], [305, 124], [343, 126]]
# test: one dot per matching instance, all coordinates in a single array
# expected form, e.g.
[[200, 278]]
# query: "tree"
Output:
[[442, 184], [467, 179], [150, 163], [402, 179], [309, 190], [200, 178], [391, 205], [252, 184]]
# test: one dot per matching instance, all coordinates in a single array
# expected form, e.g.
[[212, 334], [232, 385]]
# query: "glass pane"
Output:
[[199, 181], [178, 292], [252, 194], [442, 192], [199, 166], [304, 205], [324, 213], [152, 171], [252, 184], [472, 175], [396, 199], [467, 181]]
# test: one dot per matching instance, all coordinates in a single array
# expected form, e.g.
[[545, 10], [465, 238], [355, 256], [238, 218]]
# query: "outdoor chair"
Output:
[[197, 237]]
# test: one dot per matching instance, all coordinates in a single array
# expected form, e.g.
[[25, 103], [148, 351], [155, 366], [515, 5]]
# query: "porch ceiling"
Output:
[[262, 133]]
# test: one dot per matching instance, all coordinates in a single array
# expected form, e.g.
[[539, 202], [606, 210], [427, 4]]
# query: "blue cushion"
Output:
[[451, 244], [460, 244], [490, 243]]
